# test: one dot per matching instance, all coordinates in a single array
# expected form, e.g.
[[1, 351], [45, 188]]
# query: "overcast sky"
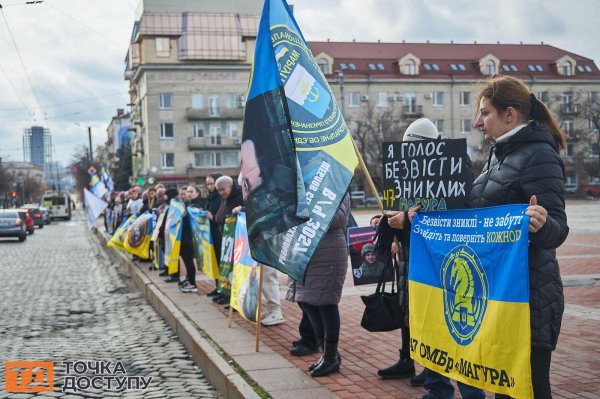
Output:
[[71, 63]]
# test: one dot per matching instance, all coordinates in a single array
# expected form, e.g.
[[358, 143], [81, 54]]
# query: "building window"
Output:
[[490, 67], [167, 160], [588, 68], [353, 99], [568, 126], [427, 67], [593, 96], [166, 131], [567, 97], [453, 67], [438, 98], [410, 103], [580, 68], [215, 134], [465, 126], [465, 98], [214, 109], [543, 96], [231, 100], [232, 130], [382, 99], [410, 67], [439, 124], [462, 67], [352, 67], [372, 67], [531, 68], [593, 151], [567, 68], [324, 65], [505, 67], [198, 130], [592, 125], [230, 159], [212, 159], [435, 67], [202, 159], [165, 101], [539, 68], [343, 66], [570, 150], [380, 67], [163, 47], [197, 101]]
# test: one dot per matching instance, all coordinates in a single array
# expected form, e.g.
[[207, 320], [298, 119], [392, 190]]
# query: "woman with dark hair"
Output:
[[194, 199], [524, 166], [213, 201]]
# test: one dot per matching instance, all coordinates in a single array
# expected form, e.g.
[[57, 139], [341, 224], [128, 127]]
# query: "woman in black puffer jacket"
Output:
[[524, 166]]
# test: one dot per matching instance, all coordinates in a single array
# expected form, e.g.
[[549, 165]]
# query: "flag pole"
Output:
[[367, 175], [258, 308], [230, 314]]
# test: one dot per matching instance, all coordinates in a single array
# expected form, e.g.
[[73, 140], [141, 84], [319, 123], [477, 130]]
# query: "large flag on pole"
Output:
[[469, 297], [94, 206], [97, 186], [297, 153], [106, 179]]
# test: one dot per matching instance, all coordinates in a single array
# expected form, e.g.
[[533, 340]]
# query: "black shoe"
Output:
[[163, 273], [316, 364], [224, 300], [226, 306], [303, 350], [172, 279], [298, 341], [418, 380], [405, 368], [213, 293], [330, 362], [217, 297], [182, 282]]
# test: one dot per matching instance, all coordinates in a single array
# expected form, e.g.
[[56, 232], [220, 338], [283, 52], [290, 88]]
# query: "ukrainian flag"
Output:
[[173, 235], [204, 248], [469, 297], [118, 239], [137, 240]]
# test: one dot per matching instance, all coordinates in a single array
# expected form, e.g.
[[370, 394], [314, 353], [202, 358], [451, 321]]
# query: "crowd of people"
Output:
[[524, 166]]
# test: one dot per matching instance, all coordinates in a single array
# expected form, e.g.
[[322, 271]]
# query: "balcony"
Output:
[[412, 111], [202, 143], [569, 109], [194, 114]]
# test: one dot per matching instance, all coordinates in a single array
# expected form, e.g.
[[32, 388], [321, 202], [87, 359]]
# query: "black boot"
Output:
[[320, 346], [418, 380], [405, 368], [330, 362]]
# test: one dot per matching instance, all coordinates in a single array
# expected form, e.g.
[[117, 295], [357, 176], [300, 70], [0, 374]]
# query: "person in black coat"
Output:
[[194, 199], [213, 202], [524, 166]]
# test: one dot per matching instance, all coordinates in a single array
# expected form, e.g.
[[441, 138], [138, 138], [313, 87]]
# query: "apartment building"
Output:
[[392, 84], [188, 66]]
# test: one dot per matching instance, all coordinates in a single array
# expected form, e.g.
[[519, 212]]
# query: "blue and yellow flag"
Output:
[[97, 186], [118, 239], [204, 248], [173, 235], [137, 239], [246, 274], [469, 297], [297, 152]]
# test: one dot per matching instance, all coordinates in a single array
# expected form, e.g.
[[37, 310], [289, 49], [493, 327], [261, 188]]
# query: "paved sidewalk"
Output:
[[575, 371]]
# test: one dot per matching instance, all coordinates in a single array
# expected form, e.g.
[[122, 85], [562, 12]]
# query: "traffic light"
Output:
[[13, 194], [140, 181]]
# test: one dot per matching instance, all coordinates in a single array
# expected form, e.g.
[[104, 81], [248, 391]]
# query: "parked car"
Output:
[[27, 220], [45, 215], [36, 215], [11, 224], [591, 190]]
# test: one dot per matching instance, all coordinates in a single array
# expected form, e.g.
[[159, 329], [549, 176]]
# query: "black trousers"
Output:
[[325, 320], [187, 254], [307, 333], [540, 374]]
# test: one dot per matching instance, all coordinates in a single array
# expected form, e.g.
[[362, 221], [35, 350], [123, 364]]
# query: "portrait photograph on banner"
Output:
[[226, 262], [204, 249], [367, 265]]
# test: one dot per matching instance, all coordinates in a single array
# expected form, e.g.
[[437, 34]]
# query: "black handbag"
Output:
[[383, 310]]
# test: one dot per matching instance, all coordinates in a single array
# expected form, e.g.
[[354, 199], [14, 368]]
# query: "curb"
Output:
[[201, 348]]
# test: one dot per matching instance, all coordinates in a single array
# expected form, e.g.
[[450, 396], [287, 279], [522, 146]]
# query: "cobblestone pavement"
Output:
[[63, 300]]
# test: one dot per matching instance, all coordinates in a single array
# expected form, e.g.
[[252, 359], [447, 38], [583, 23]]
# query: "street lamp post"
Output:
[[90, 153]]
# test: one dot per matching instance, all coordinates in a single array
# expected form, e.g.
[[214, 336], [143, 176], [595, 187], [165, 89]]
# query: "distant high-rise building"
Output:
[[37, 147]]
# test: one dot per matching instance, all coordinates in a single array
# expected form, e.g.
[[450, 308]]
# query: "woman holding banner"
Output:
[[194, 199], [213, 201], [524, 166], [322, 289]]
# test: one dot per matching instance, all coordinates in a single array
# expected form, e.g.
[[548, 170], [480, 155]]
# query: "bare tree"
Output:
[[590, 110], [371, 127]]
